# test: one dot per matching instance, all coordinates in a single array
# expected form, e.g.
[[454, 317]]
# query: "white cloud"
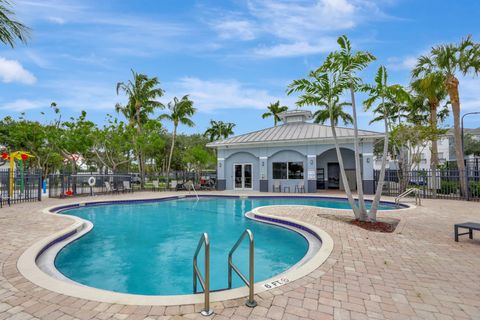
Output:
[[235, 29], [406, 63], [13, 71], [57, 20], [21, 105], [297, 48], [299, 27], [469, 99], [211, 95]]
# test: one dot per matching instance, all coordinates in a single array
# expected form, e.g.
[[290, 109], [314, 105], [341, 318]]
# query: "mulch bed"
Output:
[[387, 225]]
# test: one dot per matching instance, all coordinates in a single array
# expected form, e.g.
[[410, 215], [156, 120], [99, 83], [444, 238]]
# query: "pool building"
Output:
[[295, 156]]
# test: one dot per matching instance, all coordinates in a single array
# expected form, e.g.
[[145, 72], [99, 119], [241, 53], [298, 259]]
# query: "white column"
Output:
[[311, 173], [263, 169]]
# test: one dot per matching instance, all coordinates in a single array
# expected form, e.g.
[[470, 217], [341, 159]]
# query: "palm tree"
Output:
[[450, 60], [180, 113], [274, 110], [390, 96], [431, 90], [10, 29], [349, 63], [323, 90], [219, 130], [142, 93]]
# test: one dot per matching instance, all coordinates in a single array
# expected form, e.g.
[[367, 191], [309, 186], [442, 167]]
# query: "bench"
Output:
[[467, 225]]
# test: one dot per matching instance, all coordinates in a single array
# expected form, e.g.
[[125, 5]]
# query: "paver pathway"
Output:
[[418, 272]]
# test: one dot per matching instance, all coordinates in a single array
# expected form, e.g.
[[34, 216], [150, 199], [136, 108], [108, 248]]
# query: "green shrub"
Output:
[[447, 187], [474, 188]]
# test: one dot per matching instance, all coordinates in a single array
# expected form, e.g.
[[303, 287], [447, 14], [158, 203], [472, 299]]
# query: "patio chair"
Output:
[[277, 186], [172, 185], [127, 187], [188, 185], [109, 187], [300, 187], [156, 185]]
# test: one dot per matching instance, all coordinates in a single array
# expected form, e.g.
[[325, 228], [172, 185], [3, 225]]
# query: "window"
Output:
[[295, 170], [287, 170], [279, 170]]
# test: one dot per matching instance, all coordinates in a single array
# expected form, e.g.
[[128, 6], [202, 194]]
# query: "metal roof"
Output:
[[293, 132]]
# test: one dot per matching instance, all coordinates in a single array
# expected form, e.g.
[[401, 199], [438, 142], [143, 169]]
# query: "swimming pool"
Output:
[[147, 248]]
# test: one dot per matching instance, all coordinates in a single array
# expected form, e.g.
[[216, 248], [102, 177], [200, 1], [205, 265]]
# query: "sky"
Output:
[[232, 57]]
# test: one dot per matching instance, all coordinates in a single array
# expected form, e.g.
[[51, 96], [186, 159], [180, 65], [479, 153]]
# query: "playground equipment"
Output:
[[21, 156]]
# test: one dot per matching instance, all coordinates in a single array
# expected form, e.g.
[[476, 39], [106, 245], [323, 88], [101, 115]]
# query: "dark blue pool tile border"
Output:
[[328, 198], [288, 223], [55, 241], [109, 202]]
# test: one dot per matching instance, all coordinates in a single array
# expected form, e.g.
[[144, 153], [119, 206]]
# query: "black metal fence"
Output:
[[25, 186], [84, 184], [439, 184]]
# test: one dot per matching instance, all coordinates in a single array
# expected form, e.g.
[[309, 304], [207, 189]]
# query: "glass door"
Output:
[[247, 176], [242, 176], [238, 178]]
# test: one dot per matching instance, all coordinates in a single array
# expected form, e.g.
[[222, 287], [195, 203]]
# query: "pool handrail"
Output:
[[197, 275], [250, 282]]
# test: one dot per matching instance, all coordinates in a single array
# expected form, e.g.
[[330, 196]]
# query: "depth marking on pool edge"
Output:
[[276, 283]]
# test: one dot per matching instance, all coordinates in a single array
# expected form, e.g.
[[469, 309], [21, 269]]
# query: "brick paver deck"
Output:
[[418, 272]]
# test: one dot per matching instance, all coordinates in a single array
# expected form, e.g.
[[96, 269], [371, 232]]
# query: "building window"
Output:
[[287, 170], [295, 170], [279, 170]]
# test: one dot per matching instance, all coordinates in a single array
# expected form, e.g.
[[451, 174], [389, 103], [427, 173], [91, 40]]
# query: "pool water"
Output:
[[147, 248]]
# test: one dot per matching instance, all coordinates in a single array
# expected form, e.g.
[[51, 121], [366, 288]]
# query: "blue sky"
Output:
[[232, 57]]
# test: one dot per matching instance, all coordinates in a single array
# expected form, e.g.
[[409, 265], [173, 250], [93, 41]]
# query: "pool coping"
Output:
[[27, 263]]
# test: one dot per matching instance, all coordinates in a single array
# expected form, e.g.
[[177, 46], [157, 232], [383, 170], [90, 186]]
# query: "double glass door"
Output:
[[243, 176]]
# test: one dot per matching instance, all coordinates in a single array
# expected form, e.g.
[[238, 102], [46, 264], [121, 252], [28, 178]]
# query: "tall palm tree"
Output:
[[431, 89], [180, 113], [452, 60], [389, 96], [274, 110], [349, 63], [142, 93], [323, 90], [10, 29], [219, 130]]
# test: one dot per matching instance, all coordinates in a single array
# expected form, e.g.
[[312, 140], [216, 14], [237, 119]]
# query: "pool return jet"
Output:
[[205, 281]]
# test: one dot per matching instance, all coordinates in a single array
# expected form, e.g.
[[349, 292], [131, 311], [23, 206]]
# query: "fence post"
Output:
[[40, 182], [8, 186], [62, 177]]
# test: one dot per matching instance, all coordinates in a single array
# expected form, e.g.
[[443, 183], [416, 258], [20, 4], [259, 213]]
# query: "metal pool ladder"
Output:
[[204, 282], [418, 201], [250, 282]]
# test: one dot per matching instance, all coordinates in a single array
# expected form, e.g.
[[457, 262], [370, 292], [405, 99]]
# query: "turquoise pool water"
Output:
[[147, 248]]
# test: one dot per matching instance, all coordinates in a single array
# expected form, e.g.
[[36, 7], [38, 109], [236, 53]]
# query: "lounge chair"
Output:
[[277, 186], [109, 187], [470, 226], [156, 185], [300, 187], [172, 185], [127, 187]]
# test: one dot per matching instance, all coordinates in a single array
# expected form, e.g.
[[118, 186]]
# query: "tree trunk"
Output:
[[358, 169], [174, 134], [372, 214], [358, 215], [452, 88]]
